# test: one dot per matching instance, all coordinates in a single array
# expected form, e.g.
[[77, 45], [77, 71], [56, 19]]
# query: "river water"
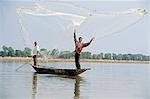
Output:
[[103, 81]]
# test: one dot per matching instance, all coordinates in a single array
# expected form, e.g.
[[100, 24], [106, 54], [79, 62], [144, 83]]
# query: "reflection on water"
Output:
[[76, 79], [34, 85], [77, 87]]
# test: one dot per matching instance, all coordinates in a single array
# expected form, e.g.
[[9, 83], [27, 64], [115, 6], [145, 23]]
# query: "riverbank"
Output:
[[27, 59]]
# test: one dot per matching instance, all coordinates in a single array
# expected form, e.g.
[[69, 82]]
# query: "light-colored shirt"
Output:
[[36, 49]]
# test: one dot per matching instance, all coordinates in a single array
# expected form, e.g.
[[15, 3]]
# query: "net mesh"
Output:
[[54, 23]]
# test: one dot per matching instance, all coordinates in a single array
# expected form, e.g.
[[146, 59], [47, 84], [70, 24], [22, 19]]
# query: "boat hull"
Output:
[[70, 72]]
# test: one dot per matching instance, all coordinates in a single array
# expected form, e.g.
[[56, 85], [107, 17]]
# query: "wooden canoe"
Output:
[[45, 70]]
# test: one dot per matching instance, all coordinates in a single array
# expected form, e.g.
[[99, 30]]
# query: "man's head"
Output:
[[80, 39], [35, 43]]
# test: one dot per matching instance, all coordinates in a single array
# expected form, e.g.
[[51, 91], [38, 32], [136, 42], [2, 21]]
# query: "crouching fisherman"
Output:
[[36, 50]]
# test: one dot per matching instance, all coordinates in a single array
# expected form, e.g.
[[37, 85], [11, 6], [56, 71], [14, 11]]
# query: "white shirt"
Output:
[[35, 50]]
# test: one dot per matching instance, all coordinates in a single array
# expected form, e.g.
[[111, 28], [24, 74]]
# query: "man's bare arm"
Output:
[[87, 44], [75, 40]]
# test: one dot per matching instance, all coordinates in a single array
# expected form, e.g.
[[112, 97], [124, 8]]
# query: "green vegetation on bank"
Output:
[[55, 53]]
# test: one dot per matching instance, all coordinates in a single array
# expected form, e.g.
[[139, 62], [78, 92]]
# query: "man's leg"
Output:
[[77, 60], [34, 59], [79, 67]]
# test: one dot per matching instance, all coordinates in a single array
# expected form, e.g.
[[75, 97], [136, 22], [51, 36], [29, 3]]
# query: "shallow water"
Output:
[[103, 81]]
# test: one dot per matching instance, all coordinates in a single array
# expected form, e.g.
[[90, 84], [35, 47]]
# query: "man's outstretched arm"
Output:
[[87, 44], [75, 40]]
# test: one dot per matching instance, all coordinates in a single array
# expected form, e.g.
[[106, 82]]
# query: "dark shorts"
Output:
[[34, 56]]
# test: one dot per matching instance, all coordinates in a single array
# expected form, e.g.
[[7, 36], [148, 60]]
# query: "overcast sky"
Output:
[[133, 40]]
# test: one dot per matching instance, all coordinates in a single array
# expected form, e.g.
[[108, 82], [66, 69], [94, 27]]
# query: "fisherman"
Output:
[[36, 50], [78, 48]]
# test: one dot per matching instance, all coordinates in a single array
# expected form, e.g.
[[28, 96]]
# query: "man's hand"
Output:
[[93, 38], [74, 30]]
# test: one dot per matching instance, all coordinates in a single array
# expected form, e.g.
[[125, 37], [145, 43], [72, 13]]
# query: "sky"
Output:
[[135, 39]]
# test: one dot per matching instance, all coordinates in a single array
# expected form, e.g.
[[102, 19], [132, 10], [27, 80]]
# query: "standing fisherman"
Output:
[[78, 48], [36, 50]]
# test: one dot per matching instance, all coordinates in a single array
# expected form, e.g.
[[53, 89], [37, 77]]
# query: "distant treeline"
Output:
[[55, 53]]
